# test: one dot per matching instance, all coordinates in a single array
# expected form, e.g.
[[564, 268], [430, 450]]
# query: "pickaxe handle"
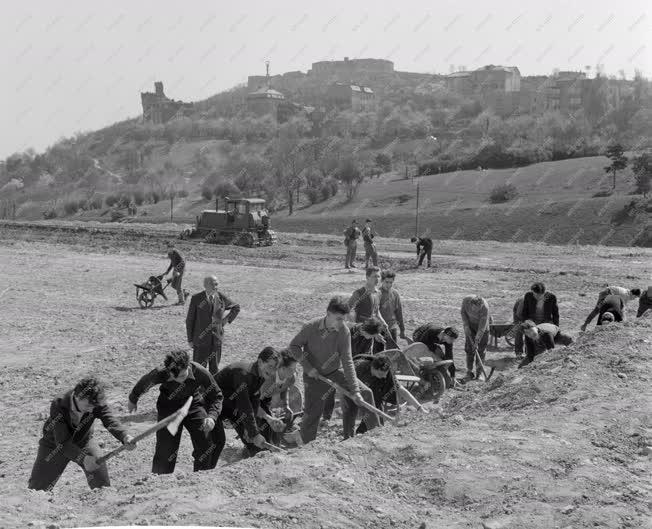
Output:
[[172, 422], [364, 404]]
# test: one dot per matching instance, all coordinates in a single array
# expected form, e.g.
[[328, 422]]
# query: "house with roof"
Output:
[[355, 97]]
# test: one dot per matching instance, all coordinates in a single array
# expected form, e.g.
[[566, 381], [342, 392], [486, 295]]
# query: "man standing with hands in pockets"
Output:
[[205, 324]]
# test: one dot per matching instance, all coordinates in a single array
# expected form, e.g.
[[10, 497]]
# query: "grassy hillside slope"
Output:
[[556, 204]]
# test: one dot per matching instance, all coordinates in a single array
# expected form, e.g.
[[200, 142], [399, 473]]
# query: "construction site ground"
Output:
[[562, 443]]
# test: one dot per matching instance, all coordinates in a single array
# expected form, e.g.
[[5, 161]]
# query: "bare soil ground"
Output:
[[562, 443]]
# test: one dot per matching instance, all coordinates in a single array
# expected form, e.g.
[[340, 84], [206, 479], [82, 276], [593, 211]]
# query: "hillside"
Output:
[[564, 442], [556, 205]]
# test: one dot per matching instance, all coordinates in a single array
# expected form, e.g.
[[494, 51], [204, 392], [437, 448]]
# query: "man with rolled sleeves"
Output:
[[476, 321], [324, 347], [205, 324], [68, 436], [179, 378]]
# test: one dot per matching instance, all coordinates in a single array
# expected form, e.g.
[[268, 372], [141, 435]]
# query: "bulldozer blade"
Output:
[[180, 415]]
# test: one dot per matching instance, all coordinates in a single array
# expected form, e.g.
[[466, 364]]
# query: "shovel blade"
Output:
[[179, 416]]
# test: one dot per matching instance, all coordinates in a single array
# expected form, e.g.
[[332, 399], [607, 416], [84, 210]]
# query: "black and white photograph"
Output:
[[326, 265]]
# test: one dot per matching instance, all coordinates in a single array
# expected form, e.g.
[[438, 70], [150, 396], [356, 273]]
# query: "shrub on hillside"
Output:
[[206, 193], [117, 215], [50, 214], [111, 200], [154, 197], [71, 207], [82, 204], [95, 202], [139, 197], [183, 193], [503, 193], [313, 194]]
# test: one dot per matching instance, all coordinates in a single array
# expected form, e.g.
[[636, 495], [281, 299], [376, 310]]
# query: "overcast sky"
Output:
[[79, 65]]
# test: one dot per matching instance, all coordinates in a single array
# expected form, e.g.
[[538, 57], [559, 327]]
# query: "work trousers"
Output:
[[423, 254], [469, 345], [209, 357], [316, 392], [51, 462], [177, 278], [351, 251], [370, 253], [237, 420], [206, 447]]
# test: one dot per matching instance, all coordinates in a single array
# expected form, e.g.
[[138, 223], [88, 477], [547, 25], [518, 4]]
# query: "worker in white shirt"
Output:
[[621, 292]]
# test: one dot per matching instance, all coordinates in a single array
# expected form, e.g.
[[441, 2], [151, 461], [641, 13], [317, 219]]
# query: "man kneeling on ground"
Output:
[[541, 339]]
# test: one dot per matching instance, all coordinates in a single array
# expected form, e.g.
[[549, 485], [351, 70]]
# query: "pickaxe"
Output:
[[171, 422]]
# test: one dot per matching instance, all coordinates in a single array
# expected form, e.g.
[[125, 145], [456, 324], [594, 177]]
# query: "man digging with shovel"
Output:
[[324, 348], [476, 321], [68, 436], [179, 379]]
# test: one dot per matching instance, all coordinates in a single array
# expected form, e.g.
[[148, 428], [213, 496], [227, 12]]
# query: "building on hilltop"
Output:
[[158, 108], [355, 97], [497, 87], [348, 69], [268, 101]]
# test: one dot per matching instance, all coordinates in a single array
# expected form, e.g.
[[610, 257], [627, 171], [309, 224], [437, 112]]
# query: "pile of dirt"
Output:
[[563, 442]]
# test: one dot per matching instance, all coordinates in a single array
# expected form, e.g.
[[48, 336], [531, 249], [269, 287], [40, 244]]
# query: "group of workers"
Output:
[[343, 348]]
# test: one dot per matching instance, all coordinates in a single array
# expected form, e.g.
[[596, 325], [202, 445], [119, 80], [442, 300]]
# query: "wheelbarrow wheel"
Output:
[[509, 339], [432, 386], [146, 299], [438, 384]]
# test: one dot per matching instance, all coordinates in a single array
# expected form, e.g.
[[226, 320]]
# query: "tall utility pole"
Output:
[[416, 217]]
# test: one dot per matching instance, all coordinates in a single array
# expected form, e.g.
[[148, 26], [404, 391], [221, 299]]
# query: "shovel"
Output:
[[481, 364], [171, 422], [364, 404]]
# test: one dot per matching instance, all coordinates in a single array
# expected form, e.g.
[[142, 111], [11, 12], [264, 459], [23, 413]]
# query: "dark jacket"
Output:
[[199, 322], [544, 342], [428, 334], [361, 345], [613, 304], [424, 244], [241, 383], [351, 234], [382, 388], [200, 384], [644, 304], [58, 430], [550, 308]]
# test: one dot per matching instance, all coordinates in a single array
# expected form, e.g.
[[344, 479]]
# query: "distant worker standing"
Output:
[[369, 245], [351, 236], [177, 265], [624, 294], [424, 248]]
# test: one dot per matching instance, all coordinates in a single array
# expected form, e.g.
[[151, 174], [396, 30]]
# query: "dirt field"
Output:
[[562, 443]]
